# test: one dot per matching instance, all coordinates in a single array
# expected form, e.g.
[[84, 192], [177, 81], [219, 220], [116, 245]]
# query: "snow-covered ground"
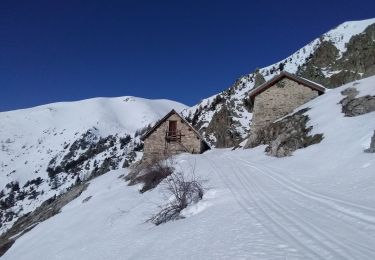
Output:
[[27, 134], [317, 204], [31, 138]]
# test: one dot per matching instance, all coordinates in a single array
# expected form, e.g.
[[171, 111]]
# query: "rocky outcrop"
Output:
[[360, 54], [320, 61], [286, 136], [350, 92], [356, 106], [258, 79], [221, 126], [358, 61], [371, 149], [324, 56]]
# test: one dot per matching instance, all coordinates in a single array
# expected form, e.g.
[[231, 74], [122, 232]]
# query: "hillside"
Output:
[[46, 149], [341, 55], [316, 204]]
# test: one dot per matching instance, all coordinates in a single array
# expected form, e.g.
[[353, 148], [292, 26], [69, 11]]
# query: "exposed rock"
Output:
[[4, 246], [221, 126], [360, 54], [86, 199], [371, 149], [352, 106], [287, 135], [350, 92], [258, 79], [341, 78], [324, 64], [324, 55], [357, 61]]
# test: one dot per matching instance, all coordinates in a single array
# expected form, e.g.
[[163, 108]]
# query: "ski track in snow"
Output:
[[266, 214], [330, 202], [250, 206], [306, 232]]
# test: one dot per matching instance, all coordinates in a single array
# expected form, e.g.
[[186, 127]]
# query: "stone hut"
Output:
[[279, 97], [172, 135]]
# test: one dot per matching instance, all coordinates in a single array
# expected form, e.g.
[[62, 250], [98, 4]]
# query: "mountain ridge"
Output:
[[49, 148], [316, 204], [89, 137], [343, 54]]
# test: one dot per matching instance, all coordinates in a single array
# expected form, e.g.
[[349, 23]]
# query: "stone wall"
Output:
[[279, 100], [275, 102], [155, 144]]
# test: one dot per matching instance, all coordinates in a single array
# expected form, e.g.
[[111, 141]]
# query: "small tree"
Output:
[[55, 182]]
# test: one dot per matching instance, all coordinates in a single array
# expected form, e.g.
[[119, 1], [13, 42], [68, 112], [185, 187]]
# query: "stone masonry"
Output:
[[279, 100], [156, 145], [276, 101]]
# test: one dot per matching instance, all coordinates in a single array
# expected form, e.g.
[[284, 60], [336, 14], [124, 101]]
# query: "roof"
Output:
[[165, 118], [284, 74]]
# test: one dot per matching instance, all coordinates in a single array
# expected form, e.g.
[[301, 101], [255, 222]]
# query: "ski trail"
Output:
[[287, 218], [348, 225], [332, 203], [272, 226], [299, 217], [289, 221], [341, 248]]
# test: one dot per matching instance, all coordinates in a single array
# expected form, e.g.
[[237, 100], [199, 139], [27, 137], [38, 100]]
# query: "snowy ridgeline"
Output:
[[316, 204], [235, 98], [47, 149]]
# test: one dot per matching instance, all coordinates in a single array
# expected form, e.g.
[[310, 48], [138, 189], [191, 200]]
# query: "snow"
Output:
[[339, 36], [316, 204], [30, 138], [27, 134]]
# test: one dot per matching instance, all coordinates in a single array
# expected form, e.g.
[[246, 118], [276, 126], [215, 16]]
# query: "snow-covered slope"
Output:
[[325, 60], [31, 138], [316, 204]]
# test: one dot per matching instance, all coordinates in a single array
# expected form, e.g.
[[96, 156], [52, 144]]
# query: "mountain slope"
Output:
[[316, 204], [343, 54], [46, 149]]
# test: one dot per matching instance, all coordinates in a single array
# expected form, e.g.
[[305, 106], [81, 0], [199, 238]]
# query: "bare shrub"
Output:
[[184, 190], [152, 173]]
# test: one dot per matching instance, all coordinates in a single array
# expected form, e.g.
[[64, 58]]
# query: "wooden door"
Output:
[[172, 131]]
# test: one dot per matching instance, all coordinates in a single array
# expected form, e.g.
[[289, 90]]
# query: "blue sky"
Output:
[[54, 51]]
